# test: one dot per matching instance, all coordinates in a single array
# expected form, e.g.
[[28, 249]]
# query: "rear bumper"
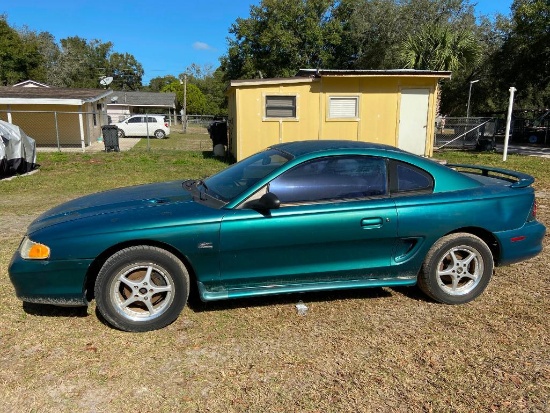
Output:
[[520, 244]]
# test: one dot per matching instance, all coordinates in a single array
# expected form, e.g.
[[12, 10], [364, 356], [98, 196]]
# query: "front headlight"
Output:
[[31, 250]]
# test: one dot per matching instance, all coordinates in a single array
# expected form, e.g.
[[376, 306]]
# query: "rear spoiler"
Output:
[[518, 179]]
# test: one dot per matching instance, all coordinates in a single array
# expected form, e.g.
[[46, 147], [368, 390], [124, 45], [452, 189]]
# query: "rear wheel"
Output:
[[457, 269], [159, 134], [141, 288]]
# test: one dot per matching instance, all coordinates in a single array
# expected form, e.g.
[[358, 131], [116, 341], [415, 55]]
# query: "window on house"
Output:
[[343, 107], [280, 106]]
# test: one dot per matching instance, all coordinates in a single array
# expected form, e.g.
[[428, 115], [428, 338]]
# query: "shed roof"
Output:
[[50, 95], [366, 73], [309, 75]]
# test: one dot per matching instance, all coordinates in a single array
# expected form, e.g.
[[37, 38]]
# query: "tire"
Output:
[[159, 134], [457, 269], [158, 281], [121, 134]]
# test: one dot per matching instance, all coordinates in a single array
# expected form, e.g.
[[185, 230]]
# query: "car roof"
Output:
[[300, 148]]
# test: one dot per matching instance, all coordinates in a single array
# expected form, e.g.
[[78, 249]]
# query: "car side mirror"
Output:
[[267, 202]]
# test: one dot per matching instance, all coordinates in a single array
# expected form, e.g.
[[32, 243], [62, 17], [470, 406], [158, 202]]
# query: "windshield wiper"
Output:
[[203, 193], [203, 184]]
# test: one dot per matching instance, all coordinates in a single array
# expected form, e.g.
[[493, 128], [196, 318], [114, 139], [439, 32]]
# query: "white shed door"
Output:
[[413, 120]]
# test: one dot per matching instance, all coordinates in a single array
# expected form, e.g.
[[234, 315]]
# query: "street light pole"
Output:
[[469, 96]]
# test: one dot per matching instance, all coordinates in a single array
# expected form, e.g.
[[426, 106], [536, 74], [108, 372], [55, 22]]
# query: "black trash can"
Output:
[[110, 138], [218, 132]]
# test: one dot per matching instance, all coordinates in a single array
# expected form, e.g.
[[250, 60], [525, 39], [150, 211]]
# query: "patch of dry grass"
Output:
[[376, 350]]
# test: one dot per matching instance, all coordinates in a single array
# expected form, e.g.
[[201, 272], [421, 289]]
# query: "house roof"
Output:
[[30, 83], [50, 95], [167, 100]]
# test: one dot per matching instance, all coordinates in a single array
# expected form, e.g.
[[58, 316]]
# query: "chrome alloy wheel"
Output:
[[142, 292], [460, 270]]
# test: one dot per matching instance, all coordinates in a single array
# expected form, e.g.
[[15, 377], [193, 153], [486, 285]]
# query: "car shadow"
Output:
[[198, 306], [49, 310], [414, 293]]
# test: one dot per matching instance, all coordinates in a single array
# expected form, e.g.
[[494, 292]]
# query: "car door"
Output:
[[335, 224], [135, 126]]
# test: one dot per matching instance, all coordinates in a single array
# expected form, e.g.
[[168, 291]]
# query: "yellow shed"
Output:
[[394, 107]]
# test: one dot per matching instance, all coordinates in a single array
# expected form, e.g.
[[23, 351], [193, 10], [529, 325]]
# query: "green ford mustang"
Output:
[[300, 216]]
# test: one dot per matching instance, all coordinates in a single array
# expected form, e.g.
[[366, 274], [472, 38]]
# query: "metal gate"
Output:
[[465, 133]]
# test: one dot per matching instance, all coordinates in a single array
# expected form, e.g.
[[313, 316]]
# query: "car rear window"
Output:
[[409, 179]]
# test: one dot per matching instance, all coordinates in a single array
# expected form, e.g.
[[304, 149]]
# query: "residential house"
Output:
[[55, 116], [123, 104]]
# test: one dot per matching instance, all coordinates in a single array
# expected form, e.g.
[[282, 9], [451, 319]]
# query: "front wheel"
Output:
[[121, 134], [159, 134], [141, 288], [457, 269]]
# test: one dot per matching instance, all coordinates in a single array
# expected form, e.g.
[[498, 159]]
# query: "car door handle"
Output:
[[372, 222]]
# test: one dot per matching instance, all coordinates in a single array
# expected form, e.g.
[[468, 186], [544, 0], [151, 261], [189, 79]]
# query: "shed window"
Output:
[[280, 106], [343, 107]]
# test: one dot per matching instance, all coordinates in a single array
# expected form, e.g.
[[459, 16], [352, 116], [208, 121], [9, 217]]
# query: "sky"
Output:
[[165, 38]]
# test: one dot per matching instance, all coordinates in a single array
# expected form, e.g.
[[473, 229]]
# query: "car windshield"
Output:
[[236, 179]]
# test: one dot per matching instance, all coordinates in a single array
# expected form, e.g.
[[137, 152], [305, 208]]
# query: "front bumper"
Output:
[[49, 282]]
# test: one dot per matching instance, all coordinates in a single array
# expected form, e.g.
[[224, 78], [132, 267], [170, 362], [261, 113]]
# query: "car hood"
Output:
[[114, 201]]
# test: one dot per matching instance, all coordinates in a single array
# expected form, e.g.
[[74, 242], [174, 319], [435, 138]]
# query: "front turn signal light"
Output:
[[31, 250]]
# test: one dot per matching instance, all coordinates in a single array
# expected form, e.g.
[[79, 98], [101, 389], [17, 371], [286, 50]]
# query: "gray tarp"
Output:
[[17, 150]]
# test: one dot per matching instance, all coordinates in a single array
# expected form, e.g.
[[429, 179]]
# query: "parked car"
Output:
[[300, 216], [144, 125]]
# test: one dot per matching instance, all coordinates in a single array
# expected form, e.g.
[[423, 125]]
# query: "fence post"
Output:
[[508, 119], [147, 123], [57, 132]]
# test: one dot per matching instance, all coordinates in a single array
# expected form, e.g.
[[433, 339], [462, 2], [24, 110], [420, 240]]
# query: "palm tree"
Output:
[[438, 48]]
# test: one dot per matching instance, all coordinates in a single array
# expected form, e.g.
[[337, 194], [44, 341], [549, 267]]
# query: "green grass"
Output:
[[376, 350], [65, 175], [536, 166]]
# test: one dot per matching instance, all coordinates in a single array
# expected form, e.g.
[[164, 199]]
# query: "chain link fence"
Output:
[[58, 129], [70, 131], [466, 133]]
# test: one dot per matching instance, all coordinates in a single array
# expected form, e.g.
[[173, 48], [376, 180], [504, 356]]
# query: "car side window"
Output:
[[411, 179], [135, 119], [332, 179], [151, 120]]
